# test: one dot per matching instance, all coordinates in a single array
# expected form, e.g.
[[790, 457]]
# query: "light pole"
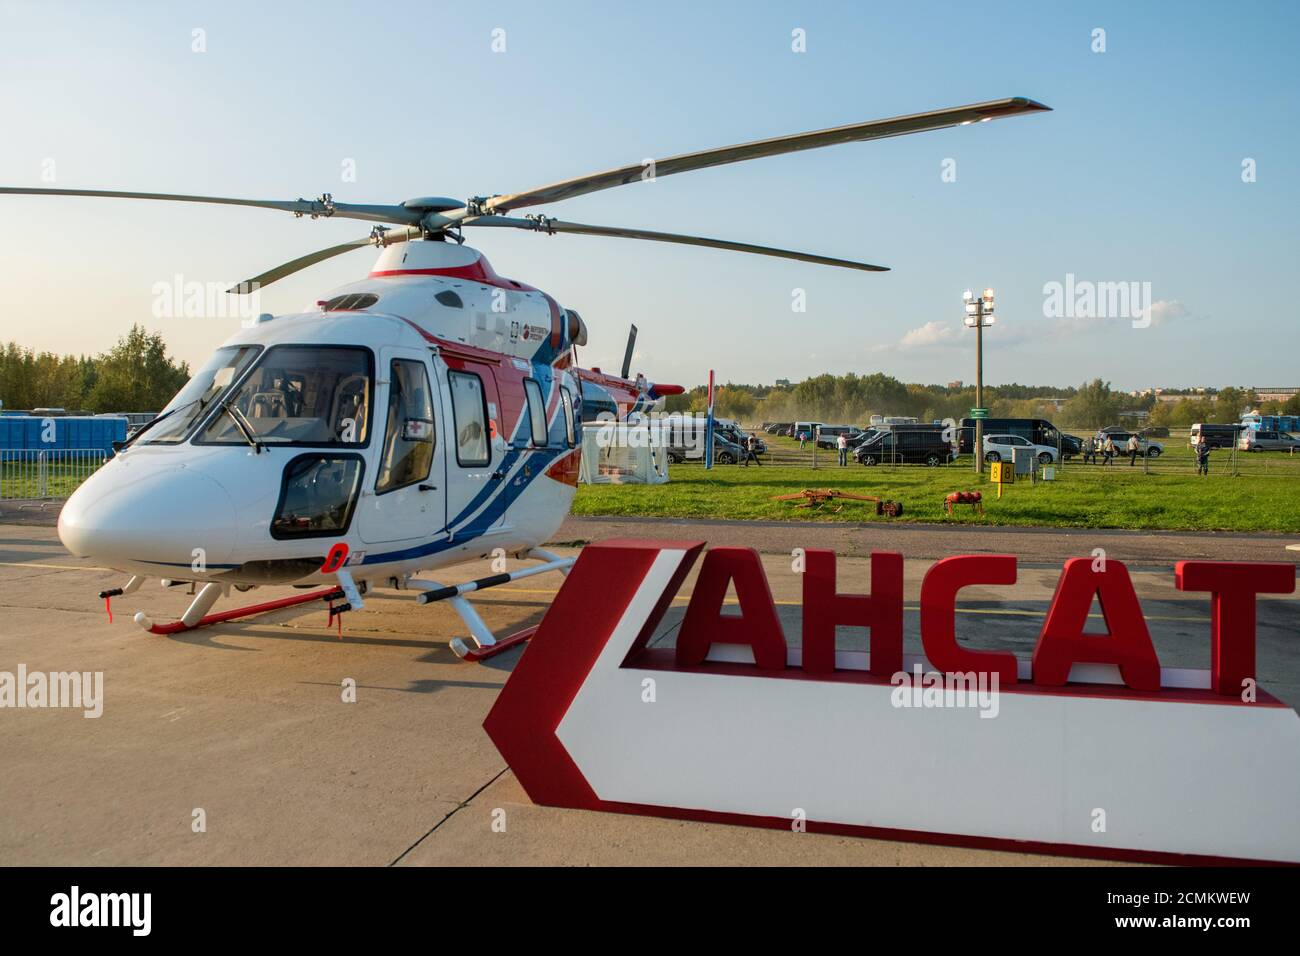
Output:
[[979, 314]]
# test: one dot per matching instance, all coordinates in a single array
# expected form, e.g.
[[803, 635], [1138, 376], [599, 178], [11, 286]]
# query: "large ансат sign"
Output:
[[1095, 750]]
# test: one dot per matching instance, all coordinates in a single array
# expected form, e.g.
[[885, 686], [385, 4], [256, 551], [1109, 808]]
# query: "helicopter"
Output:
[[425, 416]]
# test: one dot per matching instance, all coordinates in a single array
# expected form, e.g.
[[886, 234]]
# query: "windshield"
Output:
[[301, 395], [199, 393]]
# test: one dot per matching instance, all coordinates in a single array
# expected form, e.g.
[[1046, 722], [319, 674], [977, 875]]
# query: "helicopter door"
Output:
[[407, 500], [475, 450]]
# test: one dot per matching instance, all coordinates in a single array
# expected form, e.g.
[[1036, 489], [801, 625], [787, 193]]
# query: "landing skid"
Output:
[[482, 644], [464, 652], [196, 615]]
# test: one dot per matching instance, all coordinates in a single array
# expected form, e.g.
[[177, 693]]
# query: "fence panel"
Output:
[[35, 473]]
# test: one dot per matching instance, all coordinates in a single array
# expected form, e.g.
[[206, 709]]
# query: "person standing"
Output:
[[751, 451], [1107, 451], [1134, 446], [803, 437], [1089, 450], [842, 443], [1202, 456]]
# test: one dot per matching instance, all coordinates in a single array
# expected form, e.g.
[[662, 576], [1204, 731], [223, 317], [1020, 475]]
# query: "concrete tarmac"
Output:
[[244, 726]]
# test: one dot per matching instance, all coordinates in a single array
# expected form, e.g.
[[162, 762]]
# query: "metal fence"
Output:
[[34, 473], [1171, 456]]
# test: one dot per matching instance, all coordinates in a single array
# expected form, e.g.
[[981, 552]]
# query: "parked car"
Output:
[[777, 428], [1260, 440], [737, 435], [908, 444], [1002, 448], [862, 436], [1154, 431], [1152, 449], [828, 436], [725, 451]]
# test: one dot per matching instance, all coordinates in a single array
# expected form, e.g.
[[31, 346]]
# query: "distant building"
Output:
[[782, 383], [955, 386], [1275, 394]]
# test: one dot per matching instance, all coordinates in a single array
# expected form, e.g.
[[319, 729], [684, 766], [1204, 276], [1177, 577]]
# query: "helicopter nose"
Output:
[[164, 517]]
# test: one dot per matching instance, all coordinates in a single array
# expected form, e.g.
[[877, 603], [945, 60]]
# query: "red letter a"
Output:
[[1063, 641], [882, 611], [706, 625]]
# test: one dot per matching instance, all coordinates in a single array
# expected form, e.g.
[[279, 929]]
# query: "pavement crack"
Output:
[[455, 810]]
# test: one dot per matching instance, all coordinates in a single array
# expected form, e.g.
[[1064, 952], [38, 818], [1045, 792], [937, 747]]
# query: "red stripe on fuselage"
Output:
[[479, 271]]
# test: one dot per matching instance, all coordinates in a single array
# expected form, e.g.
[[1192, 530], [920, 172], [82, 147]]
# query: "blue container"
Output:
[[27, 432]]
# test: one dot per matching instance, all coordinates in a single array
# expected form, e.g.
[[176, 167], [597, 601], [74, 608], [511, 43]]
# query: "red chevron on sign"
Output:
[[566, 646], [1182, 771]]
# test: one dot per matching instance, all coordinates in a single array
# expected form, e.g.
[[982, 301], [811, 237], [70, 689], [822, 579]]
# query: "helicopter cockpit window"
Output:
[[469, 418], [301, 395], [197, 396], [318, 496], [408, 440]]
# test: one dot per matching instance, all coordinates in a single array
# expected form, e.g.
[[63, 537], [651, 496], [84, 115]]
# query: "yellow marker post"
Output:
[[1002, 473]]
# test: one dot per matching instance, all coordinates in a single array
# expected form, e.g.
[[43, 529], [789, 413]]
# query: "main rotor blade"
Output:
[[874, 129], [303, 207], [578, 228], [297, 265]]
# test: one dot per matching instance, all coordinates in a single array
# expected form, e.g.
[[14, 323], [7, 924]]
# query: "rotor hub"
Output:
[[433, 204]]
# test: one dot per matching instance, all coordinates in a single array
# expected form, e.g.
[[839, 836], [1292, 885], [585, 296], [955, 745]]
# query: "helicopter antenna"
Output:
[[627, 355]]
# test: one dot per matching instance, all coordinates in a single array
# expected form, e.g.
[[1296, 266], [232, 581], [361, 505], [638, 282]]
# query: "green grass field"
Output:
[[1262, 496]]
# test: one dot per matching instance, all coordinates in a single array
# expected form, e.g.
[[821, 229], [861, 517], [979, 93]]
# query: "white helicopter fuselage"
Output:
[[425, 416]]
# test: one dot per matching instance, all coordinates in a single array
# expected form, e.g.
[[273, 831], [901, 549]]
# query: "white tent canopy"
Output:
[[617, 453]]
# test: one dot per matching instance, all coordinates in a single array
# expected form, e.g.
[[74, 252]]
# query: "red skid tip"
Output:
[[505, 644]]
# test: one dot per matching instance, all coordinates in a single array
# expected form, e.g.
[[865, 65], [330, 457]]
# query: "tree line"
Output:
[[853, 399], [135, 375]]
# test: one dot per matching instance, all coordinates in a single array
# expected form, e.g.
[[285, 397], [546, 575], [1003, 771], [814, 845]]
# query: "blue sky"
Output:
[[1135, 176]]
